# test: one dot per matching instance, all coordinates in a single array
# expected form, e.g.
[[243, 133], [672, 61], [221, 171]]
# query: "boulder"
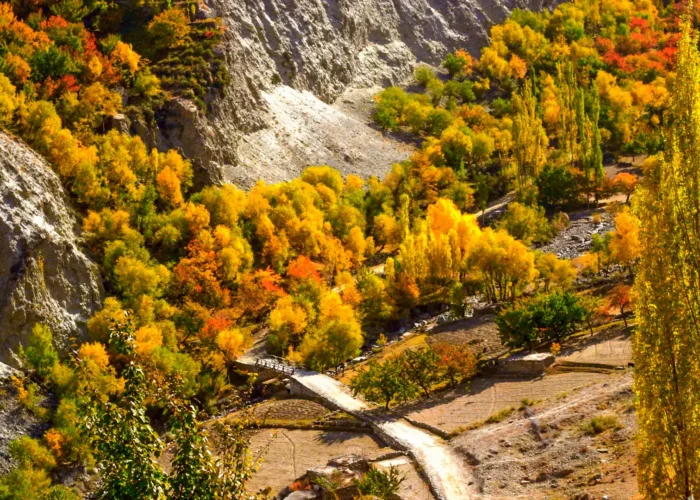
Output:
[[304, 495], [44, 275], [529, 365]]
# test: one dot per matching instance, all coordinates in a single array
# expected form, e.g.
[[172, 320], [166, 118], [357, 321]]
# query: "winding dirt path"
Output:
[[447, 473]]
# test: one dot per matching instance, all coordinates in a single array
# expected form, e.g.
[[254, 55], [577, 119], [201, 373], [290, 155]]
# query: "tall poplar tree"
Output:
[[567, 130], [595, 155], [529, 138], [667, 342]]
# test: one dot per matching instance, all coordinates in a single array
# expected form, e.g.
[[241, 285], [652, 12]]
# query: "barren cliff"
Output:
[[44, 276], [290, 60]]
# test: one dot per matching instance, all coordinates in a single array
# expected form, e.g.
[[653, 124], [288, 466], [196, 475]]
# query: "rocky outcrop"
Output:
[[281, 53], [44, 277]]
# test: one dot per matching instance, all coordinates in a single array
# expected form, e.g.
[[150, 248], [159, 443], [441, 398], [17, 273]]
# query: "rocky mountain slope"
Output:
[[44, 276], [291, 60]]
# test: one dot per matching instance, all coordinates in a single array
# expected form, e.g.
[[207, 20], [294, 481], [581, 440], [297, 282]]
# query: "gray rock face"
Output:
[[324, 47], [44, 277]]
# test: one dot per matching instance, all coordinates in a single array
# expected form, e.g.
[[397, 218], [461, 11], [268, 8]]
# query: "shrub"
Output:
[[423, 75], [500, 415], [28, 452], [379, 483], [600, 424], [40, 353]]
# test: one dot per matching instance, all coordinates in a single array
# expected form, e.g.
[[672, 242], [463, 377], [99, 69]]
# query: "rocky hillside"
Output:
[[290, 61], [44, 277]]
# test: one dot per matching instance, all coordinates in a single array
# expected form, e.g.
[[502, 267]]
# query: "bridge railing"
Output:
[[277, 364]]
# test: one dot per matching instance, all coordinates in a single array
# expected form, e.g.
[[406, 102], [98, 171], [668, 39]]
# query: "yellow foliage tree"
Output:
[[667, 338]]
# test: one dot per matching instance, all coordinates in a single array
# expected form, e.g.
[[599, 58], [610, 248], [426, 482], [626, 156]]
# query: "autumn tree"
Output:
[[620, 298], [625, 183], [667, 377], [526, 223], [554, 272], [506, 266], [624, 243], [529, 138], [455, 362]]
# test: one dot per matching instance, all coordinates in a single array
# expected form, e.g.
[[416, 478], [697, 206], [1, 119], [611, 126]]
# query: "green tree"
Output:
[[384, 382], [529, 138], [556, 187], [421, 366], [126, 445], [193, 475], [543, 318], [595, 157]]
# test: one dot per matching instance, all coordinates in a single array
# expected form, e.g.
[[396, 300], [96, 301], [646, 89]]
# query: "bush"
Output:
[[600, 424], [40, 353], [28, 452], [423, 75], [380, 484]]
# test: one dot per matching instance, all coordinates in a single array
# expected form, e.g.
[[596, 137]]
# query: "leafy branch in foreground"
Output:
[[127, 446]]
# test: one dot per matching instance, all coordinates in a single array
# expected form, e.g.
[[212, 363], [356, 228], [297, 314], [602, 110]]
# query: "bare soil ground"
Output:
[[546, 453], [610, 346], [413, 486], [486, 396], [287, 454]]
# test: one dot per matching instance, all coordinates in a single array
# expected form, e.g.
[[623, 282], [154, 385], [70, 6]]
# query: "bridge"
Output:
[[280, 365]]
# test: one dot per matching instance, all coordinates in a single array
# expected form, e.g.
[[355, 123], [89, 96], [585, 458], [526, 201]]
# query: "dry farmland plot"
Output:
[[460, 408], [289, 410], [292, 452], [609, 347]]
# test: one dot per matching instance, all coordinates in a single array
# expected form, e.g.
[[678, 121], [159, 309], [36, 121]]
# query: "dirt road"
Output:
[[446, 472]]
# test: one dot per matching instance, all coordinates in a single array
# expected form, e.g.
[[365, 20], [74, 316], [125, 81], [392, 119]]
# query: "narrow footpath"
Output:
[[446, 472]]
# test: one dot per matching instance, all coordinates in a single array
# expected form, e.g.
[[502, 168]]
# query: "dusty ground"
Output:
[[288, 454], [306, 131], [611, 346], [460, 408], [550, 456]]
